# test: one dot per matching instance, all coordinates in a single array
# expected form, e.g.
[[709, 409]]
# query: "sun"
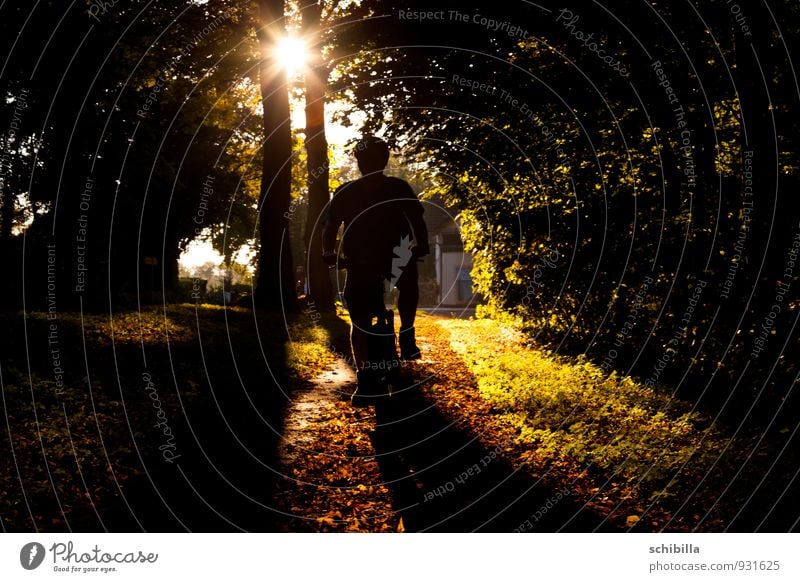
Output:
[[291, 53]]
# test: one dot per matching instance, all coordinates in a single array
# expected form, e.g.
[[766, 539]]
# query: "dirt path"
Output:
[[434, 460], [330, 479]]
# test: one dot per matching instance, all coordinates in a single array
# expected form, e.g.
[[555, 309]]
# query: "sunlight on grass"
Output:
[[572, 411], [308, 350], [148, 326]]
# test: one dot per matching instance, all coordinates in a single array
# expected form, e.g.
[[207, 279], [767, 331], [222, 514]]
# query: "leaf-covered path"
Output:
[[491, 433], [421, 464], [330, 480]]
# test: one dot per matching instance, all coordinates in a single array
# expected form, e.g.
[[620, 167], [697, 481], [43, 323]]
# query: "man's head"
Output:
[[372, 154]]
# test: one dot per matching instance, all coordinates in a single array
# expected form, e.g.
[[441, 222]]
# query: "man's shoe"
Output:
[[364, 394], [408, 345]]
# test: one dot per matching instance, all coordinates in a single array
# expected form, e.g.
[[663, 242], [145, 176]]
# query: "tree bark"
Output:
[[320, 290], [275, 281]]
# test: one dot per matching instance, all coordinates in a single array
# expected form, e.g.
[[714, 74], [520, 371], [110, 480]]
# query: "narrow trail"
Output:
[[413, 465], [330, 479]]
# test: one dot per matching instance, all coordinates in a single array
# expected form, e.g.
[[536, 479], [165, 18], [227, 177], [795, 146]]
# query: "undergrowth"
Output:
[[573, 411]]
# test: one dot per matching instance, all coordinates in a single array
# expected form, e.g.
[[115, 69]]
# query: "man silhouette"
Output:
[[383, 236]]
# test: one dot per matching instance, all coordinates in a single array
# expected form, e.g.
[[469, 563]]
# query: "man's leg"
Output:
[[360, 321], [407, 301], [359, 339], [364, 296]]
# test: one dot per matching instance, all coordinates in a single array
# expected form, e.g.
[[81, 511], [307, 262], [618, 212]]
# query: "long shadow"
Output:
[[226, 438], [443, 480]]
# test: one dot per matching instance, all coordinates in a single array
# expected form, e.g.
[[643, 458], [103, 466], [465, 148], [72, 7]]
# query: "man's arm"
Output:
[[414, 211]]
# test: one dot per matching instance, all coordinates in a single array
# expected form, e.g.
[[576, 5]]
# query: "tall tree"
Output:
[[274, 285], [320, 291], [158, 140]]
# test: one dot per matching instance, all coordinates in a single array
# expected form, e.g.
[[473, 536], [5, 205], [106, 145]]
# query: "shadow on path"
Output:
[[444, 480]]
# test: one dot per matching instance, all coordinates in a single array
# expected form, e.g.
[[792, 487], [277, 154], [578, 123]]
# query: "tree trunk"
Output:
[[320, 290], [275, 284]]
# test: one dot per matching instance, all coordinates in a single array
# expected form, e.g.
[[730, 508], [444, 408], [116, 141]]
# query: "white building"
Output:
[[452, 264]]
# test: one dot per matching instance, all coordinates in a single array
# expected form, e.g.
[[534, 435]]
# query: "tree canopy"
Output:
[[623, 173]]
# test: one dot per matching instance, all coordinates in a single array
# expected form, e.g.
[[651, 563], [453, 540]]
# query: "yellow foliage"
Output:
[[572, 410]]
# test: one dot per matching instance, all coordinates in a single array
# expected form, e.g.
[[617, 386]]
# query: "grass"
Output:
[[571, 412], [70, 449]]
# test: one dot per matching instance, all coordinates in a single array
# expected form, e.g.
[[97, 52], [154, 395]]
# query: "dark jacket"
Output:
[[377, 212]]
